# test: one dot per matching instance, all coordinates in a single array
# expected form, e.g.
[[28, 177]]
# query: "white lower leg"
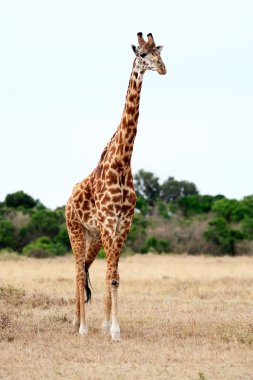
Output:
[[115, 329], [83, 329], [106, 324]]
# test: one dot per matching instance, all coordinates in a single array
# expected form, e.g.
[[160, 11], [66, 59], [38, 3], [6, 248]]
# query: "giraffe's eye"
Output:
[[143, 55]]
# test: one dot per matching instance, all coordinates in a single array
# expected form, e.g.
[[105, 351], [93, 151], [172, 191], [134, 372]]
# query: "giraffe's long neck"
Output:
[[121, 146]]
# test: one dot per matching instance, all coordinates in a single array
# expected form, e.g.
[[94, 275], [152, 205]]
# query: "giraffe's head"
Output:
[[148, 54]]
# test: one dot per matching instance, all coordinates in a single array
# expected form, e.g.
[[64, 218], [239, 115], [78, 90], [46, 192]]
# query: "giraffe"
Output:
[[100, 209]]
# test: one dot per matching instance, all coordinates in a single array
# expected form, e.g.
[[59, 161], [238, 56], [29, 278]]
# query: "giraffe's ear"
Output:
[[134, 49], [159, 48]]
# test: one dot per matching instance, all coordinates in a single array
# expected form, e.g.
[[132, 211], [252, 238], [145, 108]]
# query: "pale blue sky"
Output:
[[64, 71]]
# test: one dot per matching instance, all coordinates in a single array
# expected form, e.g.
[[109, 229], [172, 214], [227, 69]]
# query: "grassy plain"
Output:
[[182, 317]]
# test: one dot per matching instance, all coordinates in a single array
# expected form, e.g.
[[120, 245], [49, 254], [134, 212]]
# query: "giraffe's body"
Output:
[[100, 209]]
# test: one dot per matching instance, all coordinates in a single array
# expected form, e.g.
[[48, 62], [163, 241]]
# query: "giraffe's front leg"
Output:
[[113, 239], [78, 243], [76, 320], [83, 328], [115, 329], [106, 324], [110, 322]]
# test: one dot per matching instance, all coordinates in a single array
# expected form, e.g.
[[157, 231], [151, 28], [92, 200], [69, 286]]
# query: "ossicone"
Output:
[[141, 40]]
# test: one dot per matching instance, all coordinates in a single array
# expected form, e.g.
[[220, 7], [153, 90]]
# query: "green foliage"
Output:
[[44, 222], [157, 245], [63, 238], [43, 247], [147, 185], [225, 208], [244, 209], [163, 209], [20, 199], [223, 236], [197, 204], [171, 189], [233, 210], [101, 254], [29, 227], [247, 228], [142, 205], [137, 234], [7, 234], [23, 220]]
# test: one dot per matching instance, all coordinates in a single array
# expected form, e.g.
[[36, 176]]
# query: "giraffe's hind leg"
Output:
[[93, 245], [77, 236], [81, 281]]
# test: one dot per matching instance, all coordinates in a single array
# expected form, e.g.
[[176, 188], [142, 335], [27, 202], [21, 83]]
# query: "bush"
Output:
[[39, 253], [226, 208], [147, 185], [244, 209], [223, 236], [45, 244], [137, 234], [233, 210], [247, 228], [20, 199], [63, 237], [157, 245], [43, 222], [101, 254], [7, 238], [197, 204], [163, 209], [142, 205], [172, 190]]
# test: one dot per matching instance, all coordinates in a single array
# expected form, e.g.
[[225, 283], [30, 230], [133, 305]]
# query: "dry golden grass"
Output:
[[181, 317]]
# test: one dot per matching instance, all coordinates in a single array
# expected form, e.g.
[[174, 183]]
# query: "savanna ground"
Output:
[[182, 317]]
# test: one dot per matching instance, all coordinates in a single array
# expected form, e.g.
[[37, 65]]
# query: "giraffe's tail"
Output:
[[88, 286]]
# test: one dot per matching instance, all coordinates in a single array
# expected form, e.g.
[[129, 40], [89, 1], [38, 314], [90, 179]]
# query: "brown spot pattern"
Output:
[[101, 207]]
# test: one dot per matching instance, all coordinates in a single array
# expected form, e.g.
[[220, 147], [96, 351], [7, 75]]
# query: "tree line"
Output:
[[166, 214]]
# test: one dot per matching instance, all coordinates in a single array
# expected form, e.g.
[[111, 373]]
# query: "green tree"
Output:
[[247, 227], [20, 199], [43, 247], [223, 236], [197, 204], [7, 237], [147, 185], [158, 245], [46, 222], [43, 222], [243, 209], [63, 238], [172, 189], [137, 235], [142, 205], [225, 208], [163, 209]]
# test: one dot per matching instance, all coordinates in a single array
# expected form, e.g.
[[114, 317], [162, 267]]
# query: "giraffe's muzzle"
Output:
[[162, 70]]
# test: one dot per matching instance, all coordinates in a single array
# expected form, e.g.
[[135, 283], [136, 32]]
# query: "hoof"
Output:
[[83, 330], [115, 334]]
